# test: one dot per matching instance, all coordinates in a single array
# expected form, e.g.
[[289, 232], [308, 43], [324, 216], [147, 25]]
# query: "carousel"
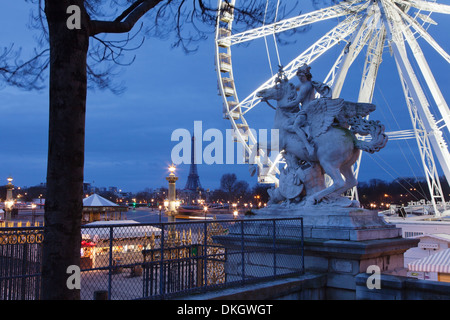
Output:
[[97, 208]]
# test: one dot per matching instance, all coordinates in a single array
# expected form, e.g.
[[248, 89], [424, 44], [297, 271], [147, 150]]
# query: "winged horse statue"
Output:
[[319, 138]]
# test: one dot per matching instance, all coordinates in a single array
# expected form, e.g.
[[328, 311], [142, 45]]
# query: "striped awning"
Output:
[[438, 262]]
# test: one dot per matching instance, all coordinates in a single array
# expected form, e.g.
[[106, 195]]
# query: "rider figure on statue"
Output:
[[306, 93]]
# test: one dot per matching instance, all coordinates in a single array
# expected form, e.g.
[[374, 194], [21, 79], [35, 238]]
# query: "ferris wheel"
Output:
[[372, 25]]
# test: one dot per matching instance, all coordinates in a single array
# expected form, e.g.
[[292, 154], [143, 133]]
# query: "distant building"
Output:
[[125, 194], [87, 188], [423, 262], [113, 189], [413, 227]]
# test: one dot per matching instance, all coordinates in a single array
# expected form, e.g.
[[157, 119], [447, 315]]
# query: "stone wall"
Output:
[[401, 288], [315, 287], [304, 287]]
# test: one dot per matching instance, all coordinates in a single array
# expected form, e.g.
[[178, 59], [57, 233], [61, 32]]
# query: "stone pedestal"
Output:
[[336, 223]]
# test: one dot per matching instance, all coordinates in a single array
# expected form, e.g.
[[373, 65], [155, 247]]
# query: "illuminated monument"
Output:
[[193, 182]]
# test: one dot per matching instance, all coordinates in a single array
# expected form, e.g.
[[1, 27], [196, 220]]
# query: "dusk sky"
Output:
[[128, 136]]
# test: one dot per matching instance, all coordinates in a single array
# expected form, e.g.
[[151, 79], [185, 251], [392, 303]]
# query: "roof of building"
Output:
[[439, 236], [438, 262], [100, 230], [97, 201]]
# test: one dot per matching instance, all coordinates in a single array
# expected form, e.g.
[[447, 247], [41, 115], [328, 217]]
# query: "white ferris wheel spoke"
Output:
[[426, 6], [371, 65], [351, 51], [356, 47], [427, 133], [369, 76], [335, 11], [423, 33], [428, 76], [425, 142], [401, 58], [340, 32]]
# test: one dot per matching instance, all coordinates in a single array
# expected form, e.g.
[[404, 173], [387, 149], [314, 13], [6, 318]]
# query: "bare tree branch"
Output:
[[186, 23], [133, 14], [24, 74]]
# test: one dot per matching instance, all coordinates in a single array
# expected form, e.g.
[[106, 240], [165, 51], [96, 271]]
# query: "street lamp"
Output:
[[205, 210], [235, 214], [8, 208], [172, 209], [9, 203], [33, 213]]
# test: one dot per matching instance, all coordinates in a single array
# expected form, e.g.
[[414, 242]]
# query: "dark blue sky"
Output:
[[128, 136]]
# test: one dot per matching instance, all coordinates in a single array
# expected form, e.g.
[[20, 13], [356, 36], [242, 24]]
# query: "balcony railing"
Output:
[[162, 260]]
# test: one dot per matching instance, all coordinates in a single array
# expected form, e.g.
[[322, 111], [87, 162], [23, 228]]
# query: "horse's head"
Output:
[[272, 93], [282, 90]]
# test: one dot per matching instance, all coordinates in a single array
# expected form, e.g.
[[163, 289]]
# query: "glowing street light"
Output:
[[33, 213], [9, 203], [171, 197]]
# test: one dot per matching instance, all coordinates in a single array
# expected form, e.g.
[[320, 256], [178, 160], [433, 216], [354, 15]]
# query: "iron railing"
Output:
[[160, 260], [20, 263]]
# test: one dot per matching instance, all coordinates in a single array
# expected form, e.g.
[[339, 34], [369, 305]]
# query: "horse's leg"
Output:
[[338, 183], [347, 172], [350, 183], [350, 180]]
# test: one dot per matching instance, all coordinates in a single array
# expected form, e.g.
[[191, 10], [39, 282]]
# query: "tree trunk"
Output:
[[64, 198]]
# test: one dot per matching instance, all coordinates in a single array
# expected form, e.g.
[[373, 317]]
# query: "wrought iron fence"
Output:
[[163, 260], [20, 263]]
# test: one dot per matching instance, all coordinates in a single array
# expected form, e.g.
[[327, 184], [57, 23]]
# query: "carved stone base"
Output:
[[336, 223]]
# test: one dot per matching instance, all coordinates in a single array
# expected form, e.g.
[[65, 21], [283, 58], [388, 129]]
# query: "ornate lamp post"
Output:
[[9, 203], [172, 205]]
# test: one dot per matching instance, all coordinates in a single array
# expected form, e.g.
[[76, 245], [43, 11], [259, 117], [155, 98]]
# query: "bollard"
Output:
[[101, 295]]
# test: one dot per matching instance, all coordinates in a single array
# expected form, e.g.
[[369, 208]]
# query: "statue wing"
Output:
[[322, 89], [321, 113]]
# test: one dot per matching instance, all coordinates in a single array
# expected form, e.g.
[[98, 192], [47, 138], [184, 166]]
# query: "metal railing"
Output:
[[20, 263], [162, 260]]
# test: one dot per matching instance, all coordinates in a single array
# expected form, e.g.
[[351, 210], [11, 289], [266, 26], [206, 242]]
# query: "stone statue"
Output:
[[318, 139]]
